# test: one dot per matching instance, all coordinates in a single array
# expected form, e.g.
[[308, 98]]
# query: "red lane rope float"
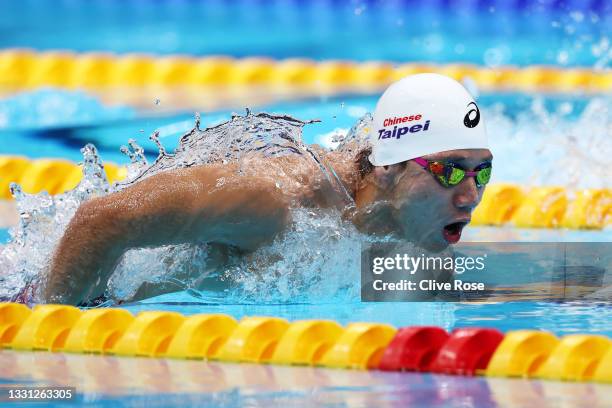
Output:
[[413, 349], [467, 351]]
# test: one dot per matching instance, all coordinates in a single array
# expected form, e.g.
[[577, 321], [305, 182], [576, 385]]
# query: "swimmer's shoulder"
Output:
[[302, 179]]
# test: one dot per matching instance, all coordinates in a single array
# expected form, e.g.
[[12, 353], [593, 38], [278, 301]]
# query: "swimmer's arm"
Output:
[[198, 204]]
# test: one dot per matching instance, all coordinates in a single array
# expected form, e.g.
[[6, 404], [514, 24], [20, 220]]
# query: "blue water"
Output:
[[108, 381], [341, 113], [558, 317], [490, 32], [110, 127]]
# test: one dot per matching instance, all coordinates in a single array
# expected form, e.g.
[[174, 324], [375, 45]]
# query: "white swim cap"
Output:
[[424, 114]]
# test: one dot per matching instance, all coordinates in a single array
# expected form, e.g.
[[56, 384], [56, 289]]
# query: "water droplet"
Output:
[[577, 16], [565, 108], [124, 149], [16, 190], [155, 138], [157, 101], [471, 86], [563, 57]]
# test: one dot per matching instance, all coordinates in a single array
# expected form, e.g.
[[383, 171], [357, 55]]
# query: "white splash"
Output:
[[25, 260]]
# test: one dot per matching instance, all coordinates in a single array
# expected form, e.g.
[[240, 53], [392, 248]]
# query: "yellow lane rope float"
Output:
[[22, 69], [54, 176], [544, 207], [464, 351], [502, 203]]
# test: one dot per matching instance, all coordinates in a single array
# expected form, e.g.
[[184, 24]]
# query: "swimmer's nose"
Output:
[[467, 195]]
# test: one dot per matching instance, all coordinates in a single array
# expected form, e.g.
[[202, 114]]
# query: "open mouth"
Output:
[[452, 232]]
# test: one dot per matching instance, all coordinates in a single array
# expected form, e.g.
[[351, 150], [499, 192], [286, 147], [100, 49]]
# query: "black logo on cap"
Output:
[[472, 122]]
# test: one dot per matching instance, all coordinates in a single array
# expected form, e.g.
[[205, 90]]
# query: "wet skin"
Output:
[[411, 203], [245, 212]]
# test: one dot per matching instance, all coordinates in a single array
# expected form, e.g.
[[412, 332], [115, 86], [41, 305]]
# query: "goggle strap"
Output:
[[421, 162], [425, 164]]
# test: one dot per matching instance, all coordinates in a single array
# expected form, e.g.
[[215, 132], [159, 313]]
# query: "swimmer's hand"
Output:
[[197, 204]]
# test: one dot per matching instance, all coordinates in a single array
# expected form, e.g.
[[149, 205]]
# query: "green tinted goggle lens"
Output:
[[451, 176], [483, 176], [455, 176]]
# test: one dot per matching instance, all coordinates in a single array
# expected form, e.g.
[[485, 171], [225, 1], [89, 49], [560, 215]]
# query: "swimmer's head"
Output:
[[424, 114], [428, 164]]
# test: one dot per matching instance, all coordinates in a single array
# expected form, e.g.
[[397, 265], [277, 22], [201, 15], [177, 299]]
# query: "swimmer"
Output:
[[420, 180]]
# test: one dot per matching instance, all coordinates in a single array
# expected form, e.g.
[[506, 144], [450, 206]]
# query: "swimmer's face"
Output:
[[429, 214]]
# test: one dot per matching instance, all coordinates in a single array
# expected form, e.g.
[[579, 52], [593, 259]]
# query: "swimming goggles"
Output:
[[449, 174]]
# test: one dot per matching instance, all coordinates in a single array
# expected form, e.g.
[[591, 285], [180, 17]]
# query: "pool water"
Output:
[[538, 128], [561, 318], [537, 139], [492, 32], [106, 381], [167, 383], [512, 119], [4, 235]]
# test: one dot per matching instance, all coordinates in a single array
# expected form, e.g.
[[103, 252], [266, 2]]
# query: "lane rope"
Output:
[[23, 69], [502, 203], [367, 346]]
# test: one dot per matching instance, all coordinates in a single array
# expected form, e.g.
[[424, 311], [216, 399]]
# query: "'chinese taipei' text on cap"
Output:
[[424, 114]]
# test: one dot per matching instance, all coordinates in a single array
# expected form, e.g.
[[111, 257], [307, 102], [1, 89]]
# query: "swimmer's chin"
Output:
[[429, 245], [435, 247], [433, 244]]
